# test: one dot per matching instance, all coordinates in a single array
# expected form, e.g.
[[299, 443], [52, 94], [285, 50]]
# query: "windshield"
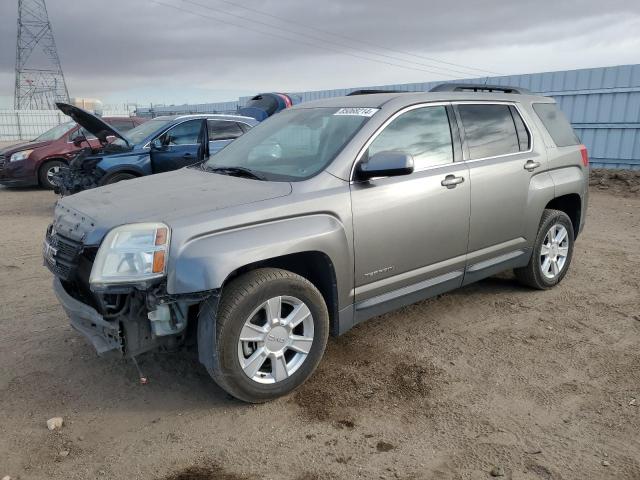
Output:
[[56, 132], [294, 144], [141, 132]]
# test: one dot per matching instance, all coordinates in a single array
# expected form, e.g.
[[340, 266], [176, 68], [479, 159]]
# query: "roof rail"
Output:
[[370, 92], [477, 87]]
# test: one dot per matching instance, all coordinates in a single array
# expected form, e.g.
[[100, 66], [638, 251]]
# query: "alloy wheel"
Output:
[[275, 339], [554, 251]]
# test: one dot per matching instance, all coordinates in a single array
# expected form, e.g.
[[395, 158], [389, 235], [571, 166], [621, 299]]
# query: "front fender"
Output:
[[203, 263], [140, 163]]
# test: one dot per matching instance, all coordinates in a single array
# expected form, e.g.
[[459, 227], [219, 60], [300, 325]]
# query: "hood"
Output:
[[91, 122], [161, 197], [17, 147]]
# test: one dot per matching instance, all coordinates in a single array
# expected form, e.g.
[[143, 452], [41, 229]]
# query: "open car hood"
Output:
[[90, 122]]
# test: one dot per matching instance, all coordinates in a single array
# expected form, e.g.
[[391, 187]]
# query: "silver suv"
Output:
[[325, 215]]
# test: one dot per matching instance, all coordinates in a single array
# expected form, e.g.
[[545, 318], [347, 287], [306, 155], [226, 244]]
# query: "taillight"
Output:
[[585, 155]]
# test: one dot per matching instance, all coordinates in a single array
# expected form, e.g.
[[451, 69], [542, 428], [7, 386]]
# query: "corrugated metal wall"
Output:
[[603, 104]]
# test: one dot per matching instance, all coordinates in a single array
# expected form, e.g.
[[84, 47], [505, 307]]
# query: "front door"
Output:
[[180, 146], [411, 231], [501, 167]]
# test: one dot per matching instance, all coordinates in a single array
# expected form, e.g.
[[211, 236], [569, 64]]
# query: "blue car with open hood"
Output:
[[160, 145]]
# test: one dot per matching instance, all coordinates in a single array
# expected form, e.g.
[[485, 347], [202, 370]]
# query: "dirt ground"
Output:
[[534, 385]]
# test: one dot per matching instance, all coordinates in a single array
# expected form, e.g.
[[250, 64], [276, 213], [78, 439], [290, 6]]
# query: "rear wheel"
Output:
[[47, 171], [271, 332], [552, 252], [119, 177]]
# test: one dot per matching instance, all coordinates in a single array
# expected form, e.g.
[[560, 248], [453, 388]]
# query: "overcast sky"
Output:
[[141, 51]]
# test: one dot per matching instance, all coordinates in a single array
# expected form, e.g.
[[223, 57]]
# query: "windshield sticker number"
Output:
[[357, 111]]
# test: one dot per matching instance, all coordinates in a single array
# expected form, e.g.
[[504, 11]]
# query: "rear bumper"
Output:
[[103, 335]]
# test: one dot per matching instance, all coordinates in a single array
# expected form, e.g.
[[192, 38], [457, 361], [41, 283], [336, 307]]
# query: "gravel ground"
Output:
[[532, 385]]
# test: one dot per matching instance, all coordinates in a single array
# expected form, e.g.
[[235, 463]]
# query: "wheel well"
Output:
[[315, 267], [570, 204], [112, 174]]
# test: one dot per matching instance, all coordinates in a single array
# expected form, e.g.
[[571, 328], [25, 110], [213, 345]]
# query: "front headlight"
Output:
[[22, 155], [132, 253]]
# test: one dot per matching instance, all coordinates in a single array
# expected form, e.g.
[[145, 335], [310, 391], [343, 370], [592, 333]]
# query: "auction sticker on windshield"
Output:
[[357, 111]]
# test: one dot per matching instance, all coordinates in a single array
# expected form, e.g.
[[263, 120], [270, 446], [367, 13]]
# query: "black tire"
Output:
[[532, 274], [240, 298], [43, 173], [118, 177]]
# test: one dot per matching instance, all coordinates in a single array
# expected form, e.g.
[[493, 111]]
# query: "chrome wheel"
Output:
[[276, 339], [52, 172], [554, 251]]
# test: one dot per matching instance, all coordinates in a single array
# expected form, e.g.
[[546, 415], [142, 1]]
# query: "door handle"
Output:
[[531, 165], [450, 181], [187, 155]]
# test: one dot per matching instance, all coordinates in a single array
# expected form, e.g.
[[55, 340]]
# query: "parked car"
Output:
[[159, 145], [264, 105], [37, 161], [322, 216]]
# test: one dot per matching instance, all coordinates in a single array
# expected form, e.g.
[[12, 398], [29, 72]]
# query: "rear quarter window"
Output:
[[556, 124]]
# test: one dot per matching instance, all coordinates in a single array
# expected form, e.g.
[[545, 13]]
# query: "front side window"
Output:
[[423, 133], [294, 144], [223, 130], [186, 133], [489, 130]]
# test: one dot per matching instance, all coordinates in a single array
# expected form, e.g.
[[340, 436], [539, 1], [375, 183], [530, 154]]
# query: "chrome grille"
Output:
[[61, 254]]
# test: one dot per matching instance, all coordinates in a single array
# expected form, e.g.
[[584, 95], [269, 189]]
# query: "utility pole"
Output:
[[39, 78]]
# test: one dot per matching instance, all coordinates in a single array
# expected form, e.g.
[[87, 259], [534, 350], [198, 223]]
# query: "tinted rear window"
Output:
[[489, 130], [223, 130], [556, 124]]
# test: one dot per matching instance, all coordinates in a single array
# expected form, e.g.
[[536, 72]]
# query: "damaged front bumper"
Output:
[[105, 336], [146, 322], [70, 180]]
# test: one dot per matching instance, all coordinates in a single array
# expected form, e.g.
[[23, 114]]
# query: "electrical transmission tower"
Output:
[[39, 79]]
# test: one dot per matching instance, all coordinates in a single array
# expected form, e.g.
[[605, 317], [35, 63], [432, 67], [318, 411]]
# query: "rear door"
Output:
[[498, 151], [221, 133], [411, 231], [180, 146]]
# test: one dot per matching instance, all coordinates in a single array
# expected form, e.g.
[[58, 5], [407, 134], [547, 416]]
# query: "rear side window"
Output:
[[556, 124], [423, 133], [223, 130], [490, 130]]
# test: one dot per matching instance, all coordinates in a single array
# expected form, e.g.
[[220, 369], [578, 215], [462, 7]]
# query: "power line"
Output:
[[446, 70], [371, 44], [322, 47]]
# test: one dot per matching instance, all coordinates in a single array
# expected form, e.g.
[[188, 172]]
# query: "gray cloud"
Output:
[[144, 50]]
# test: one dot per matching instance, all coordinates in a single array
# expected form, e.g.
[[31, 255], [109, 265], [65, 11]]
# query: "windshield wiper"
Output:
[[235, 171]]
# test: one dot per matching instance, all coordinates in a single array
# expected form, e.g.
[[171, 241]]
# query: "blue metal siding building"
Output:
[[603, 105]]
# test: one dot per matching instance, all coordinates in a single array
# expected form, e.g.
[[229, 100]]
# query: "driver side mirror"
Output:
[[385, 164], [158, 143], [77, 141]]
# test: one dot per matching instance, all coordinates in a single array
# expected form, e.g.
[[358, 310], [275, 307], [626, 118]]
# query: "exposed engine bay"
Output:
[[82, 172]]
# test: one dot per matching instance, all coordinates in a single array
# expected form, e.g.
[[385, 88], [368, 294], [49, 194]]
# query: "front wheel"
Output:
[[552, 252], [47, 173], [272, 328]]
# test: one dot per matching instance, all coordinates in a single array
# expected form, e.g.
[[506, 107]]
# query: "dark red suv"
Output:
[[35, 162]]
